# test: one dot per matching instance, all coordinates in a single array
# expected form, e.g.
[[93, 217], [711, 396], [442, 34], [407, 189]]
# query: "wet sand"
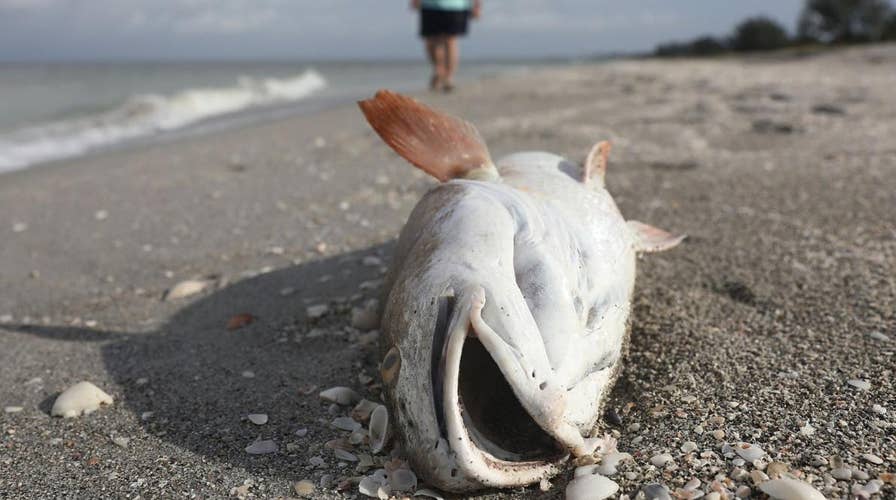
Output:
[[781, 169]]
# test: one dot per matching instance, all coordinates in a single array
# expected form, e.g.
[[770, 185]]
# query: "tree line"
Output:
[[830, 22]]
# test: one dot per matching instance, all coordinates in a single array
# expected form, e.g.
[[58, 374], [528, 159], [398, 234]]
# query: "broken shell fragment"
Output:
[[185, 289], [361, 412], [340, 395], [790, 489], [81, 398], [345, 424], [749, 452], [591, 487], [379, 429]]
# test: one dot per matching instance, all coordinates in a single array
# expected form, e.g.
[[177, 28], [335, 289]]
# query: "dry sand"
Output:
[[781, 169]]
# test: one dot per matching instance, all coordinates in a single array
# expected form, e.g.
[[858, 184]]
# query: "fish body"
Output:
[[507, 305]]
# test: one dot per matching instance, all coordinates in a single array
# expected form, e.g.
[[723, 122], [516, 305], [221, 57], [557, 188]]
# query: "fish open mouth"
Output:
[[492, 436], [493, 416]]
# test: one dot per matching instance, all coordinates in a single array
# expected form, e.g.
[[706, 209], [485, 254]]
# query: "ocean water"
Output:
[[52, 111]]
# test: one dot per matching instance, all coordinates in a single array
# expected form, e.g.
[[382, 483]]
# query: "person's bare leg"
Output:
[[452, 60], [439, 61], [432, 48]]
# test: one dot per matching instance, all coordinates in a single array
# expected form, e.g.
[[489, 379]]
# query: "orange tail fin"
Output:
[[439, 144]]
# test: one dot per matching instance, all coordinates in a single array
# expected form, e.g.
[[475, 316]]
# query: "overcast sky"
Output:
[[352, 29]]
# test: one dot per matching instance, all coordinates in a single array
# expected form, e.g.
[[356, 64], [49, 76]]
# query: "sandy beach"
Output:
[[781, 169]]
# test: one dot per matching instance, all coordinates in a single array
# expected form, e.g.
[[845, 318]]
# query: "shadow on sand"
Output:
[[192, 373]]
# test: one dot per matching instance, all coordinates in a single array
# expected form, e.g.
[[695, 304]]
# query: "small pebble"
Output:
[[262, 447], [743, 492], [343, 396], [842, 473], [81, 398], [12, 409], [19, 227], [860, 475], [101, 215], [880, 410], [258, 418], [862, 385], [879, 336], [302, 432], [345, 424], [344, 455], [661, 459], [316, 461], [317, 311], [655, 491], [790, 489], [185, 289], [591, 487], [873, 458], [121, 442], [718, 434], [689, 446]]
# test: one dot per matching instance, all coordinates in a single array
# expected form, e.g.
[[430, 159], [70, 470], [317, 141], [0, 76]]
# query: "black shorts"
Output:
[[443, 22]]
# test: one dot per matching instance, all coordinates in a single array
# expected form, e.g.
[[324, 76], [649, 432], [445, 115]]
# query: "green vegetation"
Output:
[[830, 22]]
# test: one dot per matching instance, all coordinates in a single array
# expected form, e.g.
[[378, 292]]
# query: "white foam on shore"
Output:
[[145, 115]]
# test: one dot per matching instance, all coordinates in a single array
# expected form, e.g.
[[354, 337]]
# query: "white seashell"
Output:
[[842, 473], [608, 463], [379, 429], [402, 480], [262, 447], [661, 459], [426, 492], [345, 424], [361, 412], [344, 455], [591, 487], [862, 385], [873, 458], [749, 452], [340, 395], [12, 409], [369, 486], [81, 398], [258, 418], [790, 489], [185, 289]]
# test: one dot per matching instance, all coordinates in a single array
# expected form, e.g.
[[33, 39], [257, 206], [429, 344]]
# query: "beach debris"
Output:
[[304, 488], [656, 491], [340, 395], [302, 432], [262, 447], [185, 289], [807, 430], [344, 455], [790, 489], [661, 459], [81, 398], [609, 462], [689, 447], [361, 412], [317, 311], [19, 227], [862, 385], [238, 321], [878, 335], [379, 429], [591, 487], [366, 317], [121, 442], [12, 409], [842, 473], [426, 492], [749, 452], [345, 424], [257, 418], [874, 459]]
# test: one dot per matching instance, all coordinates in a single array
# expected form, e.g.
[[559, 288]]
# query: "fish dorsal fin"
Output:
[[596, 162], [653, 239], [441, 145]]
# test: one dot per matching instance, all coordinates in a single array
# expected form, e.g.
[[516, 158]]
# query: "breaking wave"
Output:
[[145, 115]]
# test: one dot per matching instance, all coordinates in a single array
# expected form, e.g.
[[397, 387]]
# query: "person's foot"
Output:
[[435, 83], [448, 87]]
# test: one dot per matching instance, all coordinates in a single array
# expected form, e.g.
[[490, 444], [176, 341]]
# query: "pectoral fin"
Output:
[[441, 145], [653, 239]]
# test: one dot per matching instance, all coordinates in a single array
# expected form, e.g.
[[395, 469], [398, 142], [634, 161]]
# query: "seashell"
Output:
[[591, 487], [379, 429], [661, 459], [749, 452], [790, 489], [185, 289], [369, 487], [304, 488], [258, 418], [81, 398], [345, 424], [402, 480], [340, 395], [317, 311], [344, 455], [262, 447], [361, 412], [608, 463], [862, 385], [426, 492]]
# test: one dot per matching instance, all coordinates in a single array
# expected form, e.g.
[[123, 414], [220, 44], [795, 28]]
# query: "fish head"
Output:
[[504, 320]]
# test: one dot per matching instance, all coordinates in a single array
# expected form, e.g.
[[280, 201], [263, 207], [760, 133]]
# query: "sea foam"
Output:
[[145, 115]]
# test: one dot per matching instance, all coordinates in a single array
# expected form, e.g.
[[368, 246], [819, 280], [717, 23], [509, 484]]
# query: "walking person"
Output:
[[441, 23]]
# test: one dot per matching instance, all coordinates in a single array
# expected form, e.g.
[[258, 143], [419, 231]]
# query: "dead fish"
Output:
[[507, 304]]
